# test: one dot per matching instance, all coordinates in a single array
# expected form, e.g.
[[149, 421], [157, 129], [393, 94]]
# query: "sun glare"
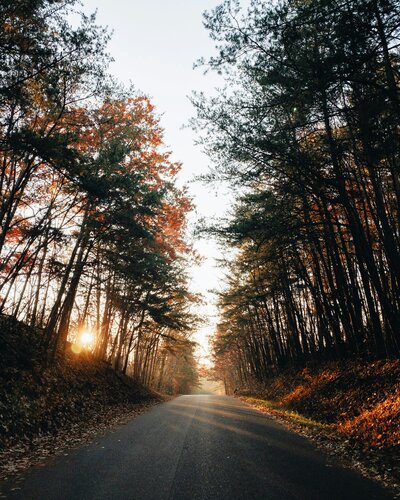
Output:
[[86, 339]]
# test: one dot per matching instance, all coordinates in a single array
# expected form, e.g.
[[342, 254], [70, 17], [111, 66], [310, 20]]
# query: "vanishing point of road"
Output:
[[195, 447]]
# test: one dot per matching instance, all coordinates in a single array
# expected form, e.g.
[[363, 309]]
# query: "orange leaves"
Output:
[[122, 142], [132, 125], [359, 399], [14, 234], [378, 426], [172, 221]]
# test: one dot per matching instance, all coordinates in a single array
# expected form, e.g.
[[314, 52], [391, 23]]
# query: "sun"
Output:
[[86, 339]]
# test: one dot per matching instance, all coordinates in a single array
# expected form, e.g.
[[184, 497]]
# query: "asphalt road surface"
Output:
[[195, 447]]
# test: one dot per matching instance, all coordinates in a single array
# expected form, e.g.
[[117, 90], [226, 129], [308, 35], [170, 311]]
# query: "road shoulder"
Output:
[[375, 466], [21, 456]]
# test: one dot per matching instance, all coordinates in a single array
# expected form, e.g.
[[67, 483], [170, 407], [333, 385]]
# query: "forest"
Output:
[[306, 131], [106, 299], [92, 221]]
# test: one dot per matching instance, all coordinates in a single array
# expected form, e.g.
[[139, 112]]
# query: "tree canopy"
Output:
[[92, 222], [306, 131]]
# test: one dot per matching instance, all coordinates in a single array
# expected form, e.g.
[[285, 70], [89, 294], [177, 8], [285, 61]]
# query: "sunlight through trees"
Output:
[[91, 220]]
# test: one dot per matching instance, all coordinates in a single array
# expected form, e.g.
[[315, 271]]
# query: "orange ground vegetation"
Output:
[[358, 399]]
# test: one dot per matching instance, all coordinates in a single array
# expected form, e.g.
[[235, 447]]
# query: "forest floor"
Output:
[[46, 411], [350, 409]]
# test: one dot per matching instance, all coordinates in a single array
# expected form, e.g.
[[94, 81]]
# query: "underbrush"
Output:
[[37, 401], [349, 409], [357, 399]]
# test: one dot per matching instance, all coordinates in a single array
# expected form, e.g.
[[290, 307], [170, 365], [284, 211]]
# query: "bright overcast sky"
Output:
[[155, 44]]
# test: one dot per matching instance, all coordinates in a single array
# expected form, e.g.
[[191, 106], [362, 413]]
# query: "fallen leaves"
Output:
[[351, 409], [47, 411], [37, 405], [20, 456]]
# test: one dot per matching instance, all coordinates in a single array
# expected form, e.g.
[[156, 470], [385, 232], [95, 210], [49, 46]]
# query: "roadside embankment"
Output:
[[351, 408], [43, 411]]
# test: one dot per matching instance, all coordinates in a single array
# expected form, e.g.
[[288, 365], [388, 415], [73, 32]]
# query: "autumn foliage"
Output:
[[92, 221], [359, 400]]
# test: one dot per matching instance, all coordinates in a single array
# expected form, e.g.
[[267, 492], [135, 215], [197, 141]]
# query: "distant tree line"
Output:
[[307, 132], [91, 220]]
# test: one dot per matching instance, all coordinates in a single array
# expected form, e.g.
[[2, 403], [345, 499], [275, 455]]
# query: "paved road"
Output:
[[196, 447]]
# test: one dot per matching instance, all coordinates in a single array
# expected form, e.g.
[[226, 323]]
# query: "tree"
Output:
[[308, 125], [92, 221]]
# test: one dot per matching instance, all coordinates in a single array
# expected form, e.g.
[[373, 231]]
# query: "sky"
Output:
[[155, 44]]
